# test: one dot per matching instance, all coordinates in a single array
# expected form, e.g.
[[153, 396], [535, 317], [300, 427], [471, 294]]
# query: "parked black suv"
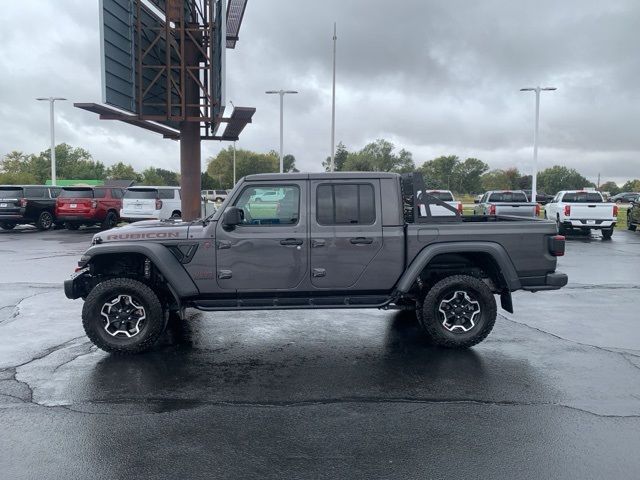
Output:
[[28, 204]]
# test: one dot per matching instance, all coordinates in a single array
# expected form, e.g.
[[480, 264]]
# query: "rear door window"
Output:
[[582, 197], [35, 192], [509, 197], [166, 194], [345, 204], [10, 192]]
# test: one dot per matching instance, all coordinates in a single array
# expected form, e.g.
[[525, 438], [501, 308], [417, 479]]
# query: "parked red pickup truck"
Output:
[[78, 206]]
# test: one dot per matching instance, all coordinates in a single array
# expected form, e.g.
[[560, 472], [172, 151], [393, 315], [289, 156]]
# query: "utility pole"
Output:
[[534, 176], [333, 103], [282, 93], [52, 101]]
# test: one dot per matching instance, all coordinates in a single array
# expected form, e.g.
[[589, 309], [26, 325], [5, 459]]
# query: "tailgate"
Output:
[[440, 211], [72, 206], [516, 209], [10, 200], [591, 211], [138, 206]]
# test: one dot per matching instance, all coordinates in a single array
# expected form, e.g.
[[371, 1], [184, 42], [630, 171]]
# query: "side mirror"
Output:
[[233, 216]]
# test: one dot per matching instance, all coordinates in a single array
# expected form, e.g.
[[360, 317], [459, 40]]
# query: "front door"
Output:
[[269, 250], [346, 231]]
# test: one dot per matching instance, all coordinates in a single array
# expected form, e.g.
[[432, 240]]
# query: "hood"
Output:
[[146, 230]]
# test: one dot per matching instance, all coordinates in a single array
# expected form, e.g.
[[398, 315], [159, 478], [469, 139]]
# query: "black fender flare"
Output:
[[495, 250], [172, 270]]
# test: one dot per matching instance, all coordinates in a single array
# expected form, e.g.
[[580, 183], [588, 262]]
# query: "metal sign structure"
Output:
[[164, 69]]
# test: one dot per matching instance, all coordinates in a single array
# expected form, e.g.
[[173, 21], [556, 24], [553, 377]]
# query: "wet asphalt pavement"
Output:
[[554, 392]]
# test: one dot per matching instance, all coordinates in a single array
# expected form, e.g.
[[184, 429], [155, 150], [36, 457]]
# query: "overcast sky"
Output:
[[435, 77]]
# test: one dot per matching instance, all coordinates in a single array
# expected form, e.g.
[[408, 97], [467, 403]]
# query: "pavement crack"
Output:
[[16, 307]]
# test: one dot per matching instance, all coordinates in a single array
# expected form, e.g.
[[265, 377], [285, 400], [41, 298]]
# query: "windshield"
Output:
[[444, 196], [79, 193], [149, 193], [582, 197], [10, 193], [510, 197]]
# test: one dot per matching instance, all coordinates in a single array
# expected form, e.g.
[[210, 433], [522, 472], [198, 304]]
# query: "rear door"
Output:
[[346, 230], [270, 250]]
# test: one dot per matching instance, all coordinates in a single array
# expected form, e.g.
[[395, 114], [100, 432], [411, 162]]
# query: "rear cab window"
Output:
[[441, 195], [508, 197], [582, 197]]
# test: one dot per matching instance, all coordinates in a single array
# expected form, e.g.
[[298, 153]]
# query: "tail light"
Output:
[[492, 209], [460, 208], [615, 210], [94, 204], [158, 204], [537, 209], [556, 245], [23, 202], [567, 210]]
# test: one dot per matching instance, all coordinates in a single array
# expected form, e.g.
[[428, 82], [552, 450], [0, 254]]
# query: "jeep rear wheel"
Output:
[[123, 316], [458, 311], [45, 221]]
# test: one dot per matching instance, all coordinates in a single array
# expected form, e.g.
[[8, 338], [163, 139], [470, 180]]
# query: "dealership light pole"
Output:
[[282, 93], [333, 103], [52, 101], [534, 176]]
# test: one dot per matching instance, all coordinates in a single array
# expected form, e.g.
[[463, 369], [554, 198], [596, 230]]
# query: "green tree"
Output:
[[289, 164], [72, 163], [611, 187], [220, 167], [495, 180], [122, 171], [151, 177], [631, 186], [379, 156], [556, 178], [207, 182], [340, 158], [467, 175], [168, 177], [17, 178], [440, 173]]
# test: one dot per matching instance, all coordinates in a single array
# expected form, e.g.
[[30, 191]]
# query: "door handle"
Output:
[[291, 242], [319, 272], [361, 241], [315, 243]]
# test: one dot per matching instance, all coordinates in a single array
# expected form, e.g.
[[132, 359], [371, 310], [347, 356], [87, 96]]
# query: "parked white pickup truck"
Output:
[[447, 197], [584, 210]]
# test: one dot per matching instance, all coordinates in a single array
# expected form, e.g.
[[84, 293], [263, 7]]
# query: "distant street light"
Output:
[[52, 101], [534, 176], [282, 93]]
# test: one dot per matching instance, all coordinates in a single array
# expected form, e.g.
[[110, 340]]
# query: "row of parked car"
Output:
[[49, 207]]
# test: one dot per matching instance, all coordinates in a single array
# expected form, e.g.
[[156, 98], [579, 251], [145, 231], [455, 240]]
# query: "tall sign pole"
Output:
[[52, 129], [333, 103]]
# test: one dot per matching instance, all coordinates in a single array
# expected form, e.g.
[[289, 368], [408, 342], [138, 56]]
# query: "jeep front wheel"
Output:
[[122, 315], [458, 311]]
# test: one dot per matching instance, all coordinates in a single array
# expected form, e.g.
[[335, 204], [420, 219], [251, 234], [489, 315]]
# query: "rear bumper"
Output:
[[552, 281], [17, 218], [597, 225], [76, 218]]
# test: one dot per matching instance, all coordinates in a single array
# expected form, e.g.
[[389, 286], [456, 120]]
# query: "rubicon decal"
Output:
[[143, 236]]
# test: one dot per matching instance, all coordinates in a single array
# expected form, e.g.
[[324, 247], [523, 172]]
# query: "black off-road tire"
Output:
[[94, 323], [607, 233], [45, 221], [431, 319], [561, 229], [71, 226], [110, 221], [7, 226]]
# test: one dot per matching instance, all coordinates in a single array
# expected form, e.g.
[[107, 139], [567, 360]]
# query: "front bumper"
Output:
[[76, 286], [552, 281]]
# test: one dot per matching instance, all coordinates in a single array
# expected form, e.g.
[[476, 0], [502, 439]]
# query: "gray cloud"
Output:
[[435, 77]]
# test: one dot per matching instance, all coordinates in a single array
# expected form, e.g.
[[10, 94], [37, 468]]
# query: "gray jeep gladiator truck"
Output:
[[331, 240]]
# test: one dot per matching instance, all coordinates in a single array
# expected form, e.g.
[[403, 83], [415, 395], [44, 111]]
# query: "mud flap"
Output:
[[506, 302]]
